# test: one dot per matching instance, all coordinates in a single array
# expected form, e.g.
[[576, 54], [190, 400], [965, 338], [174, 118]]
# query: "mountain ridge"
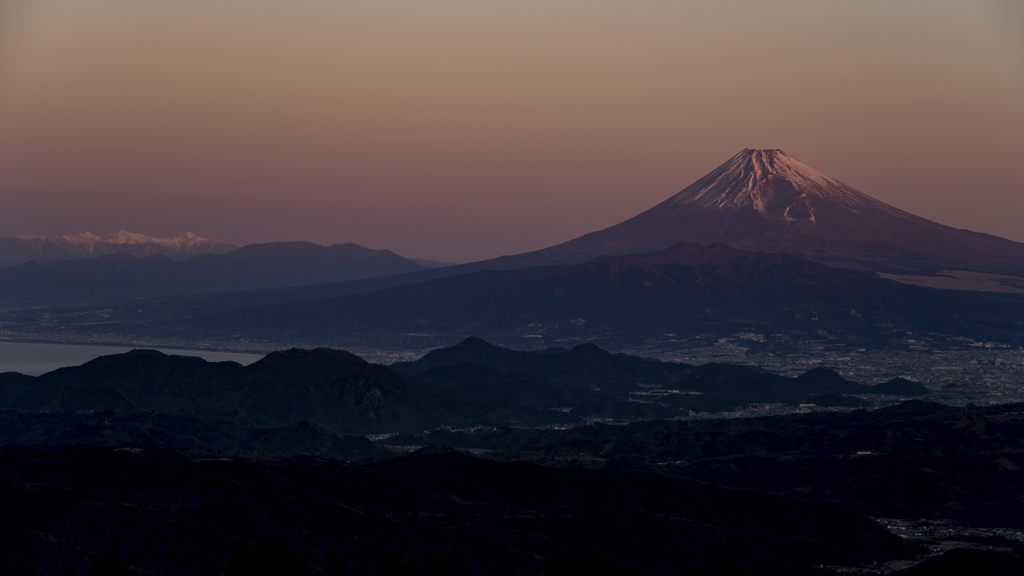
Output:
[[690, 292], [16, 250], [255, 266], [688, 289], [472, 383]]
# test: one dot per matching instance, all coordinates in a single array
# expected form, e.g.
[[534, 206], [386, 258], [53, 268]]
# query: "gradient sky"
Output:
[[462, 130]]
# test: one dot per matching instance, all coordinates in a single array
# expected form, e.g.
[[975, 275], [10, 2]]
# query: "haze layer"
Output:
[[460, 131]]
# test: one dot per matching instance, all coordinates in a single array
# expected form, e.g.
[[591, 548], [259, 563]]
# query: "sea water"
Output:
[[35, 359]]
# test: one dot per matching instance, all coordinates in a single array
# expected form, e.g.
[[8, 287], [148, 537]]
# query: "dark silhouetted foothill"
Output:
[[300, 393], [838, 400], [316, 401], [434, 449], [899, 387]]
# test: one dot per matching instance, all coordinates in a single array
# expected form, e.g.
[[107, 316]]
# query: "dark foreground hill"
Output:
[[331, 388], [123, 275], [584, 367], [914, 460], [592, 380], [184, 512], [474, 383]]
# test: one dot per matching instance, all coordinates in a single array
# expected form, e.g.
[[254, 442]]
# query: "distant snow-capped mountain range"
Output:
[[758, 200], [19, 249]]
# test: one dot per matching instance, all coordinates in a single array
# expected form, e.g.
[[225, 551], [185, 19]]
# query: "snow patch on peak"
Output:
[[85, 239], [184, 240], [18, 249], [189, 239], [121, 237], [125, 237]]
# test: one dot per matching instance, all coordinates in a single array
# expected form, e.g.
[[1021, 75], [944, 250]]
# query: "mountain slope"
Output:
[[686, 290], [254, 266], [584, 367], [16, 250], [766, 200]]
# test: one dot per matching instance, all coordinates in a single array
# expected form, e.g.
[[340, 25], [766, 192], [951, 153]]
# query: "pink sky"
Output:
[[465, 130]]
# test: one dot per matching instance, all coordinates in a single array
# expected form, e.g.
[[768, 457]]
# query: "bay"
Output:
[[38, 358]]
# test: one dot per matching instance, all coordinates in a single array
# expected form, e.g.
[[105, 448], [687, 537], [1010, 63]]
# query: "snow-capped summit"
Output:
[[19, 249], [768, 201], [776, 185], [125, 237], [184, 241]]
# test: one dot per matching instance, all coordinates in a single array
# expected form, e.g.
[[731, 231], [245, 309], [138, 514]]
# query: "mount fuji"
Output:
[[768, 201]]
